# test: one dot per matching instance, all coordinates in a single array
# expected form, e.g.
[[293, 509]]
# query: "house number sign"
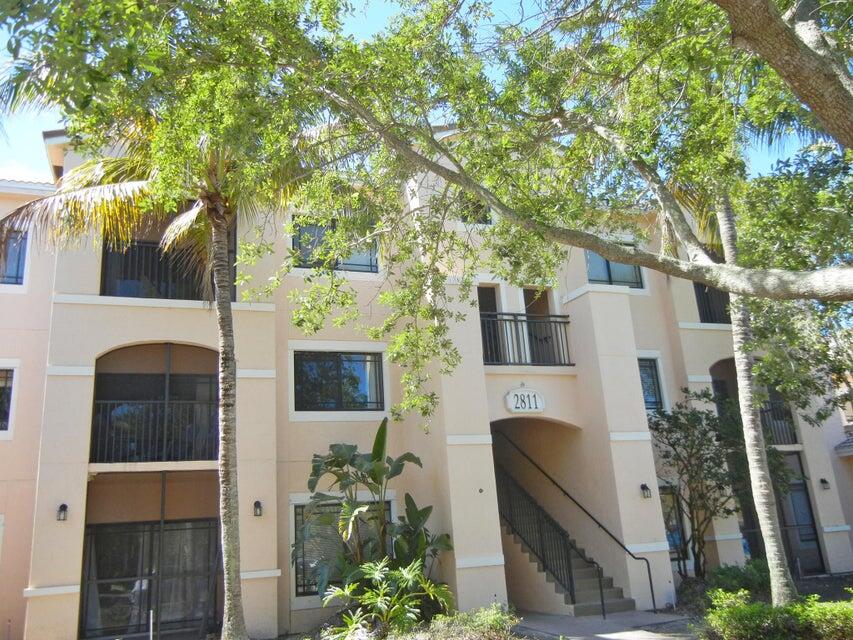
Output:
[[524, 400]]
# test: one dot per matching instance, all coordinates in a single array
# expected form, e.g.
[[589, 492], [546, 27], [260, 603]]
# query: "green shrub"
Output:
[[754, 576], [489, 623], [733, 617]]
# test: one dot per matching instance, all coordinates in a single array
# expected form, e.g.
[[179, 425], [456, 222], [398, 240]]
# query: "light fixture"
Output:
[[824, 484], [259, 509], [62, 513], [647, 492]]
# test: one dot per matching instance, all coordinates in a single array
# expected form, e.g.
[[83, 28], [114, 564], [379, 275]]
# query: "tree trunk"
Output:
[[233, 623], [782, 587]]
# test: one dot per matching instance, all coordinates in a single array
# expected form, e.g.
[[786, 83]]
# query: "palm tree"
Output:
[[114, 197]]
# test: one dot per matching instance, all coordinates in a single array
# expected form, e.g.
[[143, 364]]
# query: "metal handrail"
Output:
[[525, 339], [777, 418], [558, 563], [586, 511]]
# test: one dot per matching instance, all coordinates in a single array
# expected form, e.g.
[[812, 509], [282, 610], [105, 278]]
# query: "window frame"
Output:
[[609, 283], [655, 357], [346, 415], [301, 499], [14, 365], [675, 555], [9, 287], [340, 265]]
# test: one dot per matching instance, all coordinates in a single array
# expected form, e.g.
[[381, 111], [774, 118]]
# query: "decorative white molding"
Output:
[[836, 528], [474, 562], [705, 326], [724, 537], [155, 303], [150, 467], [257, 575], [256, 373], [648, 547], [362, 496], [702, 379], [70, 370], [40, 592], [630, 436], [336, 345], [466, 439], [354, 276], [529, 370]]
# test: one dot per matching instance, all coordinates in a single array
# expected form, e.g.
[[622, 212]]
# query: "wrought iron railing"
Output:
[[777, 418], [546, 539], [522, 339], [586, 512], [154, 431], [144, 270], [713, 304]]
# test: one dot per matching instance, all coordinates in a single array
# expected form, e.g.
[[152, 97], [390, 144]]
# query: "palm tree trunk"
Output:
[[782, 587], [233, 623]]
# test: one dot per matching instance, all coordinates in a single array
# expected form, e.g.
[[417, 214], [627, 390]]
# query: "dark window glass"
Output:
[[673, 522], [6, 376], [651, 384], [712, 303], [331, 381], [318, 542], [309, 237], [14, 250], [601, 271]]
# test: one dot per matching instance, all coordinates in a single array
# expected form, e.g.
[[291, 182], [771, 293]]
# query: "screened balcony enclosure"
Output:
[[155, 403]]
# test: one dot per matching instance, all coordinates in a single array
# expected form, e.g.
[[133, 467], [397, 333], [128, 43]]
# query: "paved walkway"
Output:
[[629, 625]]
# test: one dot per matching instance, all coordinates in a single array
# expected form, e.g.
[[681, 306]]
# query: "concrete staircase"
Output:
[[532, 588]]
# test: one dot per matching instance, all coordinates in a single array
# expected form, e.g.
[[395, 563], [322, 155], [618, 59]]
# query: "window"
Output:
[[14, 250], [318, 542], [310, 236], [335, 381], [602, 271], [6, 376], [673, 522], [650, 381], [473, 210], [712, 303]]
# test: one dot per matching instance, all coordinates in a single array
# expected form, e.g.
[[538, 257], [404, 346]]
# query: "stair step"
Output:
[[610, 606], [593, 595], [582, 584]]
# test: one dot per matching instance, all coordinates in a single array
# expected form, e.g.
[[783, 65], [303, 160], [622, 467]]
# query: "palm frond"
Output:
[[188, 238]]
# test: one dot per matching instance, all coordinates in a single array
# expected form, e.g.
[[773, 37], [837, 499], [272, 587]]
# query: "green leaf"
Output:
[[380, 443]]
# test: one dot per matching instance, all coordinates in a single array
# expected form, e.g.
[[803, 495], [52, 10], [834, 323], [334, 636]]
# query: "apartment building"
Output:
[[538, 461]]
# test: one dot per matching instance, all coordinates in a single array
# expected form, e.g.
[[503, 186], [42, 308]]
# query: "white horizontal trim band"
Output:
[[480, 561], [630, 436], [724, 537], [836, 528], [530, 370], [362, 495], [700, 378], [256, 575], [336, 345], [154, 303], [256, 373], [469, 439], [709, 326], [648, 547], [40, 592], [69, 370]]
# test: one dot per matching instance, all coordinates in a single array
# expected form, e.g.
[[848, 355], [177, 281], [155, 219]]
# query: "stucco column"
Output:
[[606, 357], [53, 593], [472, 495]]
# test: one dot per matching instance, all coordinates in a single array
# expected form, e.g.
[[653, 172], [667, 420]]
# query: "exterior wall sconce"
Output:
[[647, 492], [258, 509], [824, 484], [62, 513]]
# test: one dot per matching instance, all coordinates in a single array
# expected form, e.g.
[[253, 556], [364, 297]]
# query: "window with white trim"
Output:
[[6, 379], [650, 381], [309, 237], [14, 257], [600, 270], [338, 381]]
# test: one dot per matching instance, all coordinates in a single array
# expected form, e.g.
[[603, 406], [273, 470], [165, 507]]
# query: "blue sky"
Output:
[[22, 155]]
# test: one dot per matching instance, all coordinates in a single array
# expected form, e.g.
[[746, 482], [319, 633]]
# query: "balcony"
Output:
[[155, 403], [778, 421], [713, 304], [154, 431], [525, 339], [143, 270]]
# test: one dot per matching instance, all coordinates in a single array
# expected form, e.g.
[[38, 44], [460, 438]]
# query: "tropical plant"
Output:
[[381, 599], [412, 540]]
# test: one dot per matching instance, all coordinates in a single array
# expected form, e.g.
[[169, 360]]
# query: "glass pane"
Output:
[[625, 274], [361, 260], [672, 522], [360, 381], [306, 240], [15, 255], [117, 607], [651, 384], [316, 381], [6, 376], [596, 268]]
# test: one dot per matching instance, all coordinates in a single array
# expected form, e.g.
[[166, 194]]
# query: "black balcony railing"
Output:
[[521, 339], [776, 417], [713, 304], [154, 431], [144, 270]]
